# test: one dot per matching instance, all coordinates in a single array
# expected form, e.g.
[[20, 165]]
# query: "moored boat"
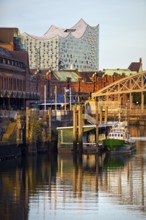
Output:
[[118, 139]]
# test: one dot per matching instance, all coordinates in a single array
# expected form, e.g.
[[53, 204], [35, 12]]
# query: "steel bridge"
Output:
[[127, 86]]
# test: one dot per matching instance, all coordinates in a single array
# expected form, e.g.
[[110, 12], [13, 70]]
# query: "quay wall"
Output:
[[30, 131], [35, 131]]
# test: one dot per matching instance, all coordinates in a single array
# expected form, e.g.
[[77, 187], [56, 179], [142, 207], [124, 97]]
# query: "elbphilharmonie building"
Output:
[[58, 48]]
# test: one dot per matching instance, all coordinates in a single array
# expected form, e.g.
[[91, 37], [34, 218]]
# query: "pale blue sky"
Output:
[[122, 24]]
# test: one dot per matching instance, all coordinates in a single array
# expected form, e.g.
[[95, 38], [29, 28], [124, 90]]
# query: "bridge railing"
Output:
[[126, 111], [137, 111]]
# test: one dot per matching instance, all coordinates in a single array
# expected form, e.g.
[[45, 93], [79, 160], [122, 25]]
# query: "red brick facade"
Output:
[[16, 86], [82, 86]]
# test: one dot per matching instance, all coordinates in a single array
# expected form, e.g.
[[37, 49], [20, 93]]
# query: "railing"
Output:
[[89, 118], [134, 111]]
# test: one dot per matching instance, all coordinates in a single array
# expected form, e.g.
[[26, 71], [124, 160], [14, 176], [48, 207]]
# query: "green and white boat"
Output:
[[118, 139]]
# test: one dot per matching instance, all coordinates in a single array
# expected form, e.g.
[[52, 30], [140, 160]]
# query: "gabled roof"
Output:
[[63, 75], [126, 72], [136, 66], [88, 76]]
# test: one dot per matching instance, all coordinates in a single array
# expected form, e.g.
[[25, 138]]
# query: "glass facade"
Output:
[[66, 52]]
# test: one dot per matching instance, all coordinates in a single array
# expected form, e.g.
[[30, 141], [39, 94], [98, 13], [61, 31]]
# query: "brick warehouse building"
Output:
[[80, 83], [16, 79], [84, 83], [16, 86]]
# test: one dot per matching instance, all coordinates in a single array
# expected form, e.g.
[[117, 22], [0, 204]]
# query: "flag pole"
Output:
[[70, 97]]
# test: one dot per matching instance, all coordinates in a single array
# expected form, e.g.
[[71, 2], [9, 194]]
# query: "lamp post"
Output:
[[70, 98], [68, 79], [65, 98], [37, 73], [94, 76], [36, 76], [55, 93], [79, 88], [45, 97]]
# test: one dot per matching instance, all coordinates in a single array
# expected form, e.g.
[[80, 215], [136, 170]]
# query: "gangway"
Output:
[[139, 138]]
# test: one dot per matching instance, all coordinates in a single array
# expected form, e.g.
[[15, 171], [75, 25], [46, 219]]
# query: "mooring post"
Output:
[[18, 130], [75, 129], [32, 132], [97, 172], [43, 132], [27, 125], [80, 129], [96, 125], [106, 114], [101, 114], [49, 125]]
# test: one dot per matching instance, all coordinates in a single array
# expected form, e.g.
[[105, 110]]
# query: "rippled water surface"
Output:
[[58, 187]]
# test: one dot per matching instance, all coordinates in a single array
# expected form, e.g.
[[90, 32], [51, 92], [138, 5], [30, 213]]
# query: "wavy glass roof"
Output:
[[76, 31]]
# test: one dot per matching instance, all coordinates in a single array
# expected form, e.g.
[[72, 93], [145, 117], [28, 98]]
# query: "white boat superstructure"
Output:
[[120, 133], [118, 138]]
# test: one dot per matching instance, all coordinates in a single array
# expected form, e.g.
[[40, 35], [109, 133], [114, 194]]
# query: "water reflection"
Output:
[[66, 187], [116, 161]]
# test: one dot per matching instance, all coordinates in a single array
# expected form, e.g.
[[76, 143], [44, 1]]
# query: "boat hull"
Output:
[[119, 146], [113, 144]]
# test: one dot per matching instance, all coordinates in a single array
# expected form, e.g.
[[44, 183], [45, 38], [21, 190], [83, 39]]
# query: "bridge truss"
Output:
[[135, 83]]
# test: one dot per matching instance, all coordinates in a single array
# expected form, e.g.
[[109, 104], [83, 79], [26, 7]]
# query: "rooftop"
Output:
[[76, 31], [134, 67]]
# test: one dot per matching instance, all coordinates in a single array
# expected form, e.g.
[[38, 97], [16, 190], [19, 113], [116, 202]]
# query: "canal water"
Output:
[[55, 187]]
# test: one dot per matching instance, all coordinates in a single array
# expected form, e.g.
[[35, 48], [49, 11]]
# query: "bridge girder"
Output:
[[130, 84]]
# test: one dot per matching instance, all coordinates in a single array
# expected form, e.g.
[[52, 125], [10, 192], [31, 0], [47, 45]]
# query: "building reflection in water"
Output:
[[47, 183]]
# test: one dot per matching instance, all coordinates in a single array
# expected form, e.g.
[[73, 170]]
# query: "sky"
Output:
[[122, 24]]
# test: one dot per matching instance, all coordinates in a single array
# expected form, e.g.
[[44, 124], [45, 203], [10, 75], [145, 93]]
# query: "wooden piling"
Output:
[[97, 125], [101, 114], [75, 129], [80, 129], [27, 125], [32, 132], [106, 115], [18, 130], [49, 125]]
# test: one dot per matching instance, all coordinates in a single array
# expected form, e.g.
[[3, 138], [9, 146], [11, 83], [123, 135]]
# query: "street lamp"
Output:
[[79, 80], [44, 97], [68, 79], [55, 93], [37, 74], [94, 76], [38, 71]]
